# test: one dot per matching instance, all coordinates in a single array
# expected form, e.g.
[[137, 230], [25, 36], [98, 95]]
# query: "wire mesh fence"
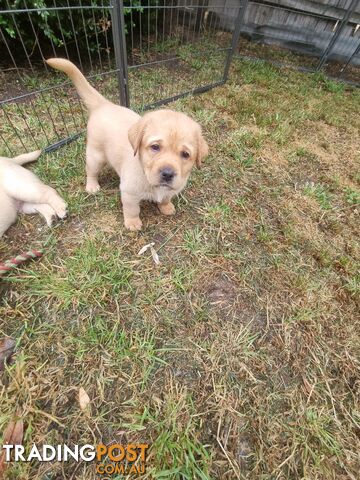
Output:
[[176, 50], [146, 53], [143, 53], [40, 108], [308, 35]]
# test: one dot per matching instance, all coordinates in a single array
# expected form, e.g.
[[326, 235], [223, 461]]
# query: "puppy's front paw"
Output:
[[61, 210], [92, 187], [51, 220], [166, 208], [133, 224]]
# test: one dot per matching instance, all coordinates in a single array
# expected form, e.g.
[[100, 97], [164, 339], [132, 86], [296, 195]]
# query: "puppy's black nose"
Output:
[[167, 174]]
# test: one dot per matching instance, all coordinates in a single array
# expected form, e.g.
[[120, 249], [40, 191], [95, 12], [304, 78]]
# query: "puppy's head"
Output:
[[169, 145]]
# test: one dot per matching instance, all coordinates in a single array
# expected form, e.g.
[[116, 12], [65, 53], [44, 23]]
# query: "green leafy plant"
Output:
[[86, 29]]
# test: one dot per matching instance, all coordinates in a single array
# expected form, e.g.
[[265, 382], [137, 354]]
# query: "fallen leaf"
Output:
[[13, 435], [7, 346], [146, 247], [84, 399], [155, 256]]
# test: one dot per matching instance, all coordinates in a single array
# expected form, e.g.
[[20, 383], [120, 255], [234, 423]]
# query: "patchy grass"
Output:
[[237, 357]]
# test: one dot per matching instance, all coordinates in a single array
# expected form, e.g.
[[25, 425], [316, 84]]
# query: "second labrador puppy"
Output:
[[153, 155], [22, 191]]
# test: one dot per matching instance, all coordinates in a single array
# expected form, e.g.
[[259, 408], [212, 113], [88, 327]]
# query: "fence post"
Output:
[[119, 40], [336, 35], [236, 35], [355, 52], [200, 13]]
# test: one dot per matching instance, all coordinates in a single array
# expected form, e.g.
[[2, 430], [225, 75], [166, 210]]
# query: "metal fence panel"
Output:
[[138, 53], [144, 54], [175, 48], [308, 35], [40, 107]]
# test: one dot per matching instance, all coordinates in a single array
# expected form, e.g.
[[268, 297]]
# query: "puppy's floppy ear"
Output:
[[136, 133], [202, 150]]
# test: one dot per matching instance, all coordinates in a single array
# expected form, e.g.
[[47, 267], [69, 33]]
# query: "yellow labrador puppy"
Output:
[[153, 155], [22, 191]]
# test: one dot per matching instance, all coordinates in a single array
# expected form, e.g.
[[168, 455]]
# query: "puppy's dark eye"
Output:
[[185, 154], [155, 147]]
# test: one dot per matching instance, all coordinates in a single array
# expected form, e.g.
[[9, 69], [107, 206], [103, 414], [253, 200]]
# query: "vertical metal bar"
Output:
[[189, 23], [183, 23], [354, 54], [119, 40], [6, 144], [177, 23], [21, 40], [155, 86], [21, 79], [61, 30], [156, 28], [148, 29], [210, 26], [140, 35], [194, 31], [235, 38], [55, 96], [19, 109], [86, 36], [336, 35], [14, 129], [171, 18], [31, 101], [103, 10], [70, 103], [97, 39], [163, 32], [10, 54], [132, 33], [36, 37], [200, 12], [75, 36]]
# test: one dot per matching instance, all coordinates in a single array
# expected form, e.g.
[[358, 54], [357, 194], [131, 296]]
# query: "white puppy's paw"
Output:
[[48, 213], [61, 209], [51, 220], [133, 224], [166, 208], [92, 187]]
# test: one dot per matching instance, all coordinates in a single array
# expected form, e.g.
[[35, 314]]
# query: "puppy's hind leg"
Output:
[[23, 185], [41, 194], [45, 210], [95, 160], [53, 199]]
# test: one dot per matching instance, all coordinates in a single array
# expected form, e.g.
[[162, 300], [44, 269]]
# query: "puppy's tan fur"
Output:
[[22, 191], [120, 137]]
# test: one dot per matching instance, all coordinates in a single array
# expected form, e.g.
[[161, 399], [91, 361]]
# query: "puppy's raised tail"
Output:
[[26, 157], [88, 94]]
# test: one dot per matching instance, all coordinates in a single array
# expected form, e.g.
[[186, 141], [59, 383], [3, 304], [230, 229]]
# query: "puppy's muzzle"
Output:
[[167, 175]]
